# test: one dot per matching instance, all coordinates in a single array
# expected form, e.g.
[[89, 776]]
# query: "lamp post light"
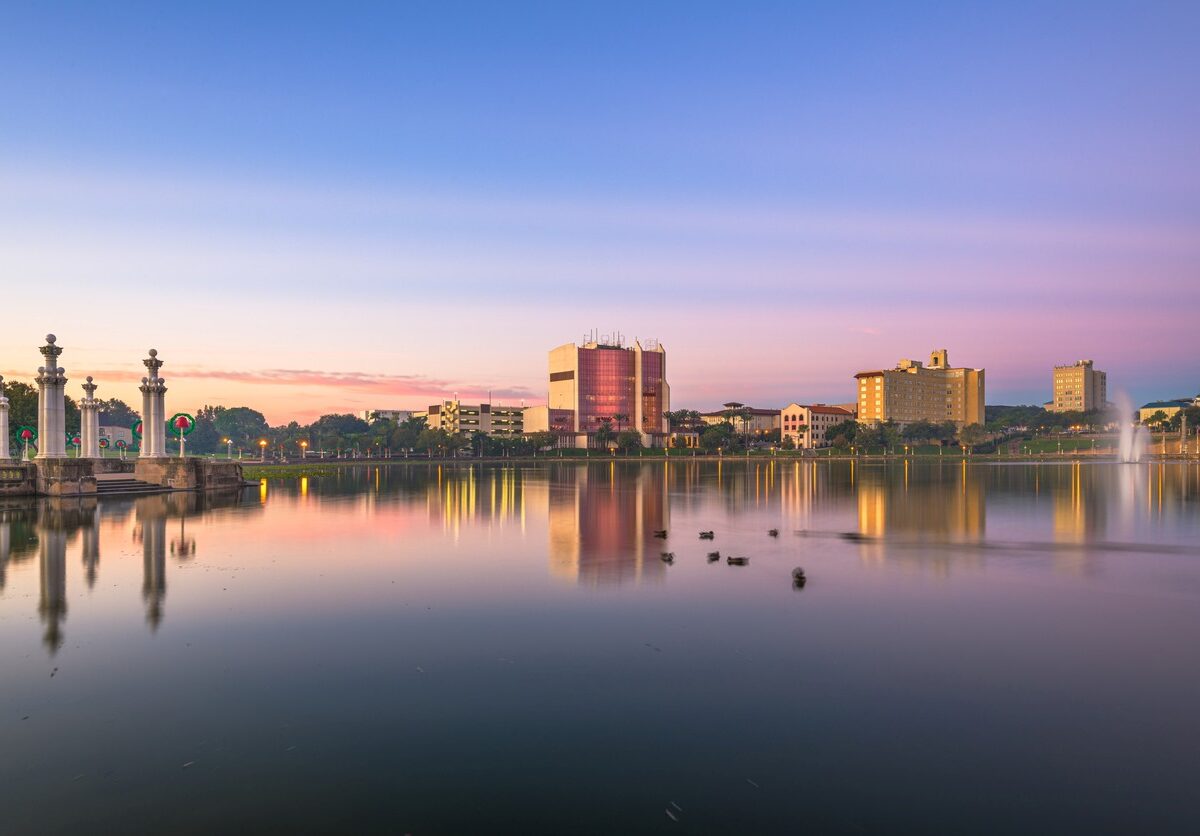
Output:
[[228, 447], [303, 450], [262, 449]]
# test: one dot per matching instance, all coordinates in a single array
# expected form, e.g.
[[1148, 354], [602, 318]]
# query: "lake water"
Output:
[[474, 649]]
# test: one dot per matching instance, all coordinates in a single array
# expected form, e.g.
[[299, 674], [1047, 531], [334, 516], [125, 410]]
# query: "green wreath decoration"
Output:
[[27, 433], [182, 418]]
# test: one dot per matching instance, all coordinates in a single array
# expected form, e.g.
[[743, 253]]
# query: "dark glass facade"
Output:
[[653, 400], [606, 387]]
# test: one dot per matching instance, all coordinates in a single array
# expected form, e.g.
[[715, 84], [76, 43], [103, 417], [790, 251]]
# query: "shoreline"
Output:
[[254, 470]]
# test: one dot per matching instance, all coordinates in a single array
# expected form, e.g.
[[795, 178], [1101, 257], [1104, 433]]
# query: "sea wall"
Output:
[[189, 474], [65, 477], [17, 479]]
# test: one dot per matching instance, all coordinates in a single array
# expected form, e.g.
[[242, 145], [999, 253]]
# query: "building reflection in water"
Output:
[[602, 519], [808, 490], [947, 504], [47, 528], [151, 514], [1080, 509], [90, 548], [57, 520], [458, 496]]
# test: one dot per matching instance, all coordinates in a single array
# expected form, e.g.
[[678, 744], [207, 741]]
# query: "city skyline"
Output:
[[382, 208]]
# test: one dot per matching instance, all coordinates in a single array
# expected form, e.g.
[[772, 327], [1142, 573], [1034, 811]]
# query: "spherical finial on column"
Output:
[[89, 378], [41, 369], [145, 380], [50, 338], [154, 352]]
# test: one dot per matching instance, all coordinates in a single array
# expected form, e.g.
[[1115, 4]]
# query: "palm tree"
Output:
[[619, 418], [604, 434]]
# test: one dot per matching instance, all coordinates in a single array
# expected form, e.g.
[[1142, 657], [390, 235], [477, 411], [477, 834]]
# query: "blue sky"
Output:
[[782, 193]]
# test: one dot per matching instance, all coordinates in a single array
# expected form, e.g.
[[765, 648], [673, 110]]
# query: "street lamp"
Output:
[[262, 447], [303, 449], [228, 447]]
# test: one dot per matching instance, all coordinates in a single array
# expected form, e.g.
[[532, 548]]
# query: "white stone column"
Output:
[[153, 410], [89, 422], [52, 409], [145, 390], [59, 402], [41, 412], [4, 451]]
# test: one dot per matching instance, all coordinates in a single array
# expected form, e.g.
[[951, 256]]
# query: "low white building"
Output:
[[394, 415], [805, 425], [115, 434]]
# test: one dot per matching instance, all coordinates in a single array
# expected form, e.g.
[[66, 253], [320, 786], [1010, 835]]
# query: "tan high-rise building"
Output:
[[1078, 388], [913, 392]]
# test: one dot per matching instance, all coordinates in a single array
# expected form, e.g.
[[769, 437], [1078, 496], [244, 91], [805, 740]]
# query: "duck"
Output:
[[706, 535], [798, 575], [737, 561], [774, 532], [661, 534], [668, 557], [713, 557]]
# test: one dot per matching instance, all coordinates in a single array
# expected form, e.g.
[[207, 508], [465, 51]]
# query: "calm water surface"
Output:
[[433, 650]]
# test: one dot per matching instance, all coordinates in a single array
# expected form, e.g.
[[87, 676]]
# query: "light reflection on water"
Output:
[[444, 648]]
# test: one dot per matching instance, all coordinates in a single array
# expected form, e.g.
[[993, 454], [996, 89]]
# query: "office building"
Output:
[[1078, 388], [603, 381], [914, 392]]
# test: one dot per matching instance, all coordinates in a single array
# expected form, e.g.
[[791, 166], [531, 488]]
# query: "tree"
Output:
[[343, 424], [629, 441], [868, 436], [603, 435], [542, 440], [846, 431], [947, 432], [204, 437], [889, 434], [404, 436], [919, 431], [114, 412], [972, 434], [838, 440], [1158, 418], [620, 418], [241, 425], [719, 437], [683, 419], [433, 440]]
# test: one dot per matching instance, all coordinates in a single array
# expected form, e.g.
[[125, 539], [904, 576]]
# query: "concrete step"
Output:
[[126, 485]]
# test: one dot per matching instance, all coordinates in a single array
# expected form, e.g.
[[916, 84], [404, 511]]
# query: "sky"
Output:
[[312, 208]]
